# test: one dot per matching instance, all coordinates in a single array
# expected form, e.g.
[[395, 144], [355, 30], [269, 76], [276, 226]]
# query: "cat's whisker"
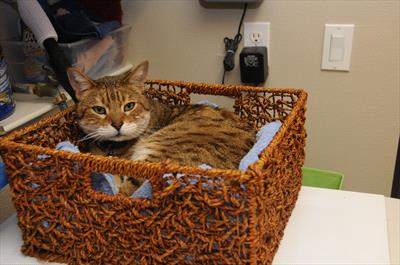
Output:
[[101, 137], [106, 132], [88, 136], [98, 135]]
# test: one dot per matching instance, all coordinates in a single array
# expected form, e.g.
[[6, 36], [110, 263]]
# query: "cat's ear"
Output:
[[138, 75], [79, 81]]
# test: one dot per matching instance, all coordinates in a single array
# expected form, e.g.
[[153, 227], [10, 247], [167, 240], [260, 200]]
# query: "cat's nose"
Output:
[[116, 125]]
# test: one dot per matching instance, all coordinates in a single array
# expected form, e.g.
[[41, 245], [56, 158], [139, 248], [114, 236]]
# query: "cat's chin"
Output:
[[121, 138]]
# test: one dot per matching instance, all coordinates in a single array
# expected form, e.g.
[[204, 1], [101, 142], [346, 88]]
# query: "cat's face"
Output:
[[112, 108]]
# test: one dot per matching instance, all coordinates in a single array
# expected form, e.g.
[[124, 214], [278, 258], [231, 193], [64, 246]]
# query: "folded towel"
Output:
[[263, 138], [104, 181], [145, 191], [207, 103], [67, 146]]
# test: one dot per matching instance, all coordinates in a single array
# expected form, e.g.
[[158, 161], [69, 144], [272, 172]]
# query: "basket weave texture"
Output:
[[227, 217]]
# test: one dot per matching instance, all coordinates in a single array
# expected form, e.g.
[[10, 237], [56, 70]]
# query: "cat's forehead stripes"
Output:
[[115, 89], [109, 95], [112, 97], [111, 92], [110, 81]]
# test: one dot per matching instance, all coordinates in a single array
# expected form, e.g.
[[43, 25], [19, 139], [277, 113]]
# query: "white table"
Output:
[[326, 227]]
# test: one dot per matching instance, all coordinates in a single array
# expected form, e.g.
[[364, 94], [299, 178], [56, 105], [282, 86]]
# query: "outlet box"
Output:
[[256, 34]]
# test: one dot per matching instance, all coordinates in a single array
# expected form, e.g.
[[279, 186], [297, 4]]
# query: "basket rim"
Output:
[[219, 89], [7, 141]]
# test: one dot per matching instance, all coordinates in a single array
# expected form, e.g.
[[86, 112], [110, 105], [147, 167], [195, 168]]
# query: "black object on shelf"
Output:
[[60, 65]]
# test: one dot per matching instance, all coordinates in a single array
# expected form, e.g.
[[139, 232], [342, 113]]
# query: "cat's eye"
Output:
[[99, 110], [129, 106]]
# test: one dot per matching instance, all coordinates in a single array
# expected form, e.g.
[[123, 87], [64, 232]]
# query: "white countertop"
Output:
[[27, 107], [326, 227]]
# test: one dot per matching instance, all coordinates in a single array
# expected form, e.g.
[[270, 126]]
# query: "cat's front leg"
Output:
[[142, 153]]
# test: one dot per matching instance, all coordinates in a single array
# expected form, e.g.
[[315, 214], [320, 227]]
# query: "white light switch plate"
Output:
[[338, 41]]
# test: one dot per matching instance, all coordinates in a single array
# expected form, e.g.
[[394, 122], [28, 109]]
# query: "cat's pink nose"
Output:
[[117, 125]]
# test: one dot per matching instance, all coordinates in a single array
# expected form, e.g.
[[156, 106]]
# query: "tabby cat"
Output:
[[115, 114]]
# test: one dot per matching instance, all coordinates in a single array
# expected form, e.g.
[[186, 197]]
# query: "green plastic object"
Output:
[[313, 177]]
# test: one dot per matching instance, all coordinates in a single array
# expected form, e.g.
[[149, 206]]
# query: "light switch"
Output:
[[337, 48], [338, 40]]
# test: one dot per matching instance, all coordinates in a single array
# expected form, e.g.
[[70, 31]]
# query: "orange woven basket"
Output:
[[228, 217]]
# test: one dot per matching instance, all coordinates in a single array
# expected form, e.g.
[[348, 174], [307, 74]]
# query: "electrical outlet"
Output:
[[255, 37], [256, 34]]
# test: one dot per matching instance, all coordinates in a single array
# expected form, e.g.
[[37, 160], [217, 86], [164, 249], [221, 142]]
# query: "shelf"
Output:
[[27, 107]]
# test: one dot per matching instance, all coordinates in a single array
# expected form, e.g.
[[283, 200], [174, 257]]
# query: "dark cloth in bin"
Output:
[[73, 24]]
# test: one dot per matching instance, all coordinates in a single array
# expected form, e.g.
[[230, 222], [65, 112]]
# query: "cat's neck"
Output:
[[114, 148]]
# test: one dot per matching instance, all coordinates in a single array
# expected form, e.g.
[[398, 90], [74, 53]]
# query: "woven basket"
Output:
[[228, 217]]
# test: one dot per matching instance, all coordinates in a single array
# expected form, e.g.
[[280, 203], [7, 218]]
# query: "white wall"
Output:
[[353, 117]]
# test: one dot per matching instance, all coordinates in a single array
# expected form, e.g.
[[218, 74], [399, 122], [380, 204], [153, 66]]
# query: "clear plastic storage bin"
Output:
[[27, 62]]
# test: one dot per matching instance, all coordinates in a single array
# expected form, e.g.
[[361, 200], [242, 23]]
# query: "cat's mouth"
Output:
[[106, 134], [120, 137]]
